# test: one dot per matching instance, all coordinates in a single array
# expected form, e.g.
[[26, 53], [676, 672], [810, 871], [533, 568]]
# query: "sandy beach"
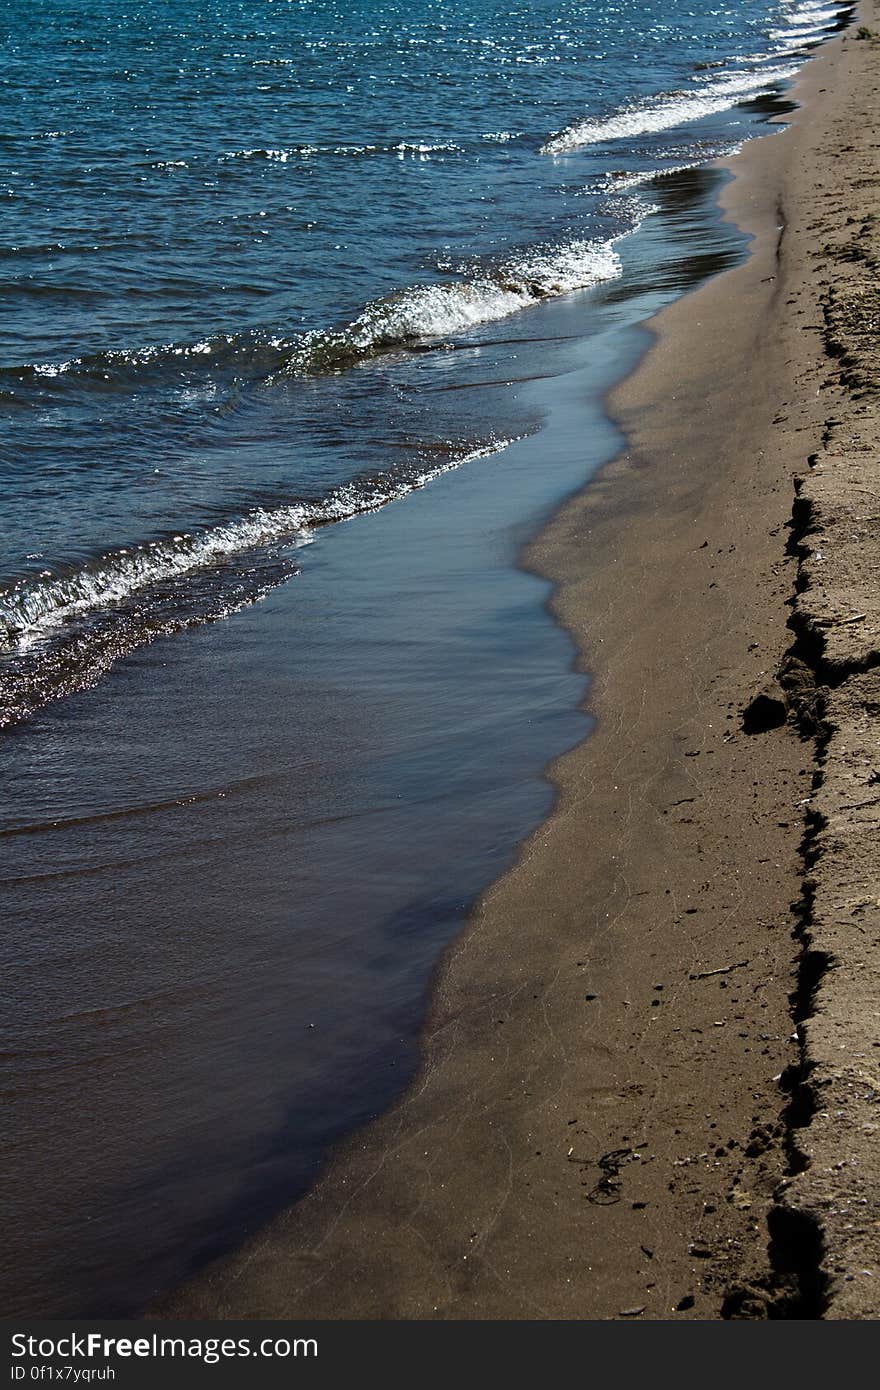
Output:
[[649, 1075]]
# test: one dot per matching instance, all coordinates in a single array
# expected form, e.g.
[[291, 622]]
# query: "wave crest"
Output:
[[418, 314], [425, 313], [32, 608], [667, 112]]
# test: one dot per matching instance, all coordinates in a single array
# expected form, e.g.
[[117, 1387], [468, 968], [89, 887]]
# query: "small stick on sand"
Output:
[[722, 970]]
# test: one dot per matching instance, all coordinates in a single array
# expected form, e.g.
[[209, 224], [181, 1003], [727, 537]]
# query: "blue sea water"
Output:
[[216, 217], [265, 267]]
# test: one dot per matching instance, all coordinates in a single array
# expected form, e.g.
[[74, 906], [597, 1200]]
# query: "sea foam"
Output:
[[481, 294], [667, 111], [32, 608]]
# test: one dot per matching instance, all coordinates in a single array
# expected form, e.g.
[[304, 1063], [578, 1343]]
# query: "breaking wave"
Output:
[[406, 319], [666, 112], [32, 608], [430, 312]]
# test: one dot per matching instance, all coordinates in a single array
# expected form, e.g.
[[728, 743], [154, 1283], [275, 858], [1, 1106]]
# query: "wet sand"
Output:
[[617, 1114]]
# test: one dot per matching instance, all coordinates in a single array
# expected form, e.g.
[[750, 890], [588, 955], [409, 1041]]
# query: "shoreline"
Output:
[[567, 1151], [408, 711]]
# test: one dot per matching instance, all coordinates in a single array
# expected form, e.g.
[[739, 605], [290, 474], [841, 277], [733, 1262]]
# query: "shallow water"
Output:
[[230, 868], [226, 229]]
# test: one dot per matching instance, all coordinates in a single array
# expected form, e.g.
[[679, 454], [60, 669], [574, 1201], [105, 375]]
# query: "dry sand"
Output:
[[650, 1082]]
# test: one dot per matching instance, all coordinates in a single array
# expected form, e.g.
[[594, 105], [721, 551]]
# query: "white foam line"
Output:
[[665, 114], [482, 296], [32, 609], [281, 155]]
